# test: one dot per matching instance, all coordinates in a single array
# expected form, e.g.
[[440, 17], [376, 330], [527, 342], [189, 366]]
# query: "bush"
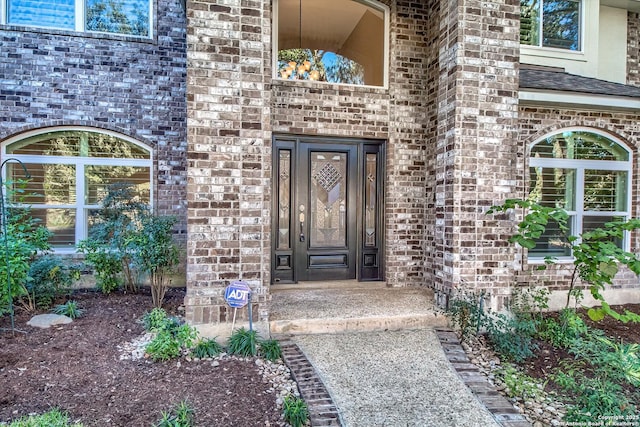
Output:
[[106, 265], [295, 411], [243, 342], [207, 348], [69, 309], [270, 350], [171, 338], [466, 313], [51, 278], [24, 239]]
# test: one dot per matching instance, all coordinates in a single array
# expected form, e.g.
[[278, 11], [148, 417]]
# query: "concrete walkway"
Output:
[[369, 356], [392, 379]]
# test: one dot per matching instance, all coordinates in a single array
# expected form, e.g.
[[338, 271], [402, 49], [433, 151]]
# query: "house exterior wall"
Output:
[[127, 85]]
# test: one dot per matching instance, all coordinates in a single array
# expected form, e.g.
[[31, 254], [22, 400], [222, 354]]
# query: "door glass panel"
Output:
[[327, 214], [370, 200], [284, 199]]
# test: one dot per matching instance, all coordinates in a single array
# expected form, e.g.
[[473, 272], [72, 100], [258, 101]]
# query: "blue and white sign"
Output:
[[237, 294]]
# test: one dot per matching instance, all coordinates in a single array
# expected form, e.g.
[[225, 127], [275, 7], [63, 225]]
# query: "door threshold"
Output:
[[328, 284]]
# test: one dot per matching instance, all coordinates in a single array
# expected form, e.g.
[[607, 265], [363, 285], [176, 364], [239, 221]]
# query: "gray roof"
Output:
[[545, 79]]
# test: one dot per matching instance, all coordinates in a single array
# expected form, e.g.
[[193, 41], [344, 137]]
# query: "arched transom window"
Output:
[[338, 41], [587, 174], [70, 172]]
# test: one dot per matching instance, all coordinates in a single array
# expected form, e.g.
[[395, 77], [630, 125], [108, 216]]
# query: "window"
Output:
[[70, 171], [337, 41], [585, 173], [130, 17], [551, 23]]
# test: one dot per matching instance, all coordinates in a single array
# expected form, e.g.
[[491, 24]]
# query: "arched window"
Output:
[[70, 171], [586, 173], [338, 41]]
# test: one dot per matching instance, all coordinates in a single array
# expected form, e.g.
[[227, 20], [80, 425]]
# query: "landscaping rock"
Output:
[[45, 321]]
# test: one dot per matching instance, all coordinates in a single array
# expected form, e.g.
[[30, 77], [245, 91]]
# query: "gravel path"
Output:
[[393, 379]]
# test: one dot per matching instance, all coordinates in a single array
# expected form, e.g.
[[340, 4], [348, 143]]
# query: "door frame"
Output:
[[369, 260]]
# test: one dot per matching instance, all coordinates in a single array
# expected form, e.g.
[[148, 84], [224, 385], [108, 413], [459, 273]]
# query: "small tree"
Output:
[[156, 253], [108, 247], [596, 256]]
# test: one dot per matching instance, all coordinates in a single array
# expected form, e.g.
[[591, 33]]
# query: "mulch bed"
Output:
[[77, 368]]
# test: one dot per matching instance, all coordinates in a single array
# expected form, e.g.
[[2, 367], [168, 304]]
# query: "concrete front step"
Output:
[[335, 309]]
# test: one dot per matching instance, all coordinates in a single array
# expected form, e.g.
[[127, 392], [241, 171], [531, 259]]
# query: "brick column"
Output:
[[229, 151], [477, 151]]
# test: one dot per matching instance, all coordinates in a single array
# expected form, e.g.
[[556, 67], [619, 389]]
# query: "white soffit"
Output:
[[583, 100], [632, 5]]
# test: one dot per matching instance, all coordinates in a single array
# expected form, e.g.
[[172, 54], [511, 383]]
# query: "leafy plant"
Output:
[[156, 253], [171, 338], [466, 313], [595, 253], [563, 331], [53, 418], [51, 278], [512, 336], [181, 416], [243, 342], [69, 309], [115, 225], [295, 411], [207, 348], [106, 264], [24, 238], [517, 383], [270, 349], [155, 320]]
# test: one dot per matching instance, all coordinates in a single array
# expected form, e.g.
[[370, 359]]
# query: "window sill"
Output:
[[277, 81], [72, 33]]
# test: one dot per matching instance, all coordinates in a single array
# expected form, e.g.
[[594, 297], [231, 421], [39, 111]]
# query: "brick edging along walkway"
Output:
[[501, 409], [322, 411]]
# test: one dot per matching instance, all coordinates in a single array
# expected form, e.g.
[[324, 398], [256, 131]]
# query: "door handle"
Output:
[[301, 218]]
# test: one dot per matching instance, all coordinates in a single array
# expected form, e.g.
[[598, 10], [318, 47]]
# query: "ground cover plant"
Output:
[[79, 368]]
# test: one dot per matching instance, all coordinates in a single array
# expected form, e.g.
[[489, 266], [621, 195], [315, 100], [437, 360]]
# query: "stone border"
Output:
[[501, 409], [322, 410]]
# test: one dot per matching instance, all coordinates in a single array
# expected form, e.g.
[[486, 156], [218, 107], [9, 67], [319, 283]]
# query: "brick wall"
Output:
[[477, 154], [633, 48], [62, 78], [229, 154]]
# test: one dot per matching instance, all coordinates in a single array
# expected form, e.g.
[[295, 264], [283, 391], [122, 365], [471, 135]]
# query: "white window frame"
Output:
[[80, 15], [576, 216], [81, 207], [370, 3]]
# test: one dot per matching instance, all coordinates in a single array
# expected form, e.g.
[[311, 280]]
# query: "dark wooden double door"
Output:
[[327, 213]]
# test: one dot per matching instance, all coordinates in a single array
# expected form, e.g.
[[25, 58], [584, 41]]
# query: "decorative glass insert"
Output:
[[284, 199], [328, 199], [121, 17], [550, 23], [316, 43], [42, 13], [370, 199]]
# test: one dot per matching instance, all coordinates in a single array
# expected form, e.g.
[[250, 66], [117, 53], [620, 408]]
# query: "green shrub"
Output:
[[51, 278], [155, 319], [181, 416], [517, 383], [207, 348], [563, 331], [24, 239], [466, 313], [295, 411], [53, 418], [69, 309], [106, 265], [171, 338], [243, 342], [270, 350]]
